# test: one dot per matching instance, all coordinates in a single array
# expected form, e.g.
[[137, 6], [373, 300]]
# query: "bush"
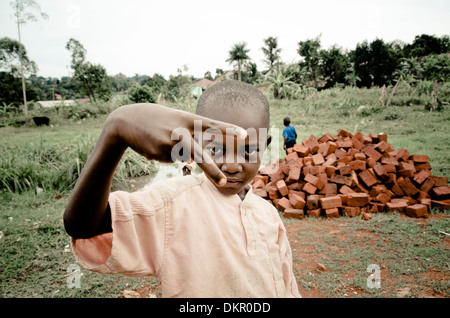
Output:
[[142, 94]]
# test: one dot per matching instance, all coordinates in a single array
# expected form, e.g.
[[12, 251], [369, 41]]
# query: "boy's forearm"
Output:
[[87, 213]]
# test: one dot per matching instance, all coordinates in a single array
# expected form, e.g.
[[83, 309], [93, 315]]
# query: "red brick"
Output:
[[419, 158], [292, 155], [345, 170], [281, 186], [301, 194], [330, 171], [293, 213], [408, 187], [383, 198], [443, 204], [427, 185], [302, 150], [360, 156], [382, 137], [273, 193], [340, 153], [441, 193], [332, 213], [382, 146], [337, 178], [329, 148], [344, 143], [330, 202], [276, 176], [402, 154], [346, 190], [314, 213], [379, 169], [297, 201], [422, 166], [440, 181], [284, 203], [315, 181], [372, 153], [351, 211], [309, 188], [326, 137], [397, 206], [329, 189], [344, 133], [260, 192], [416, 210], [357, 199], [294, 174], [421, 176], [318, 159], [258, 184], [312, 202], [357, 165], [367, 178]]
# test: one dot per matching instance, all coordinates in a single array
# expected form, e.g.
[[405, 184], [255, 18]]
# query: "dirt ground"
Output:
[[329, 255]]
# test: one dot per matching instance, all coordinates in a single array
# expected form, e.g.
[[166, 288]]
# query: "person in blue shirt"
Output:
[[289, 134]]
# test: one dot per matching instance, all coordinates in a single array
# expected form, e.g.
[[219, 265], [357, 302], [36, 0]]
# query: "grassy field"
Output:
[[413, 255]]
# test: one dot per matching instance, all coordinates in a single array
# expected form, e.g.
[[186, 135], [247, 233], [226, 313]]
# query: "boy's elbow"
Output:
[[73, 229]]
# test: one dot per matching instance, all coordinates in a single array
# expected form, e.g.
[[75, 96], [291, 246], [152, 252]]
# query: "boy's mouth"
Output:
[[232, 183]]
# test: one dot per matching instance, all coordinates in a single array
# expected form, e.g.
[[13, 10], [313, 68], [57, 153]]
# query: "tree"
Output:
[[309, 50], [24, 11], [271, 51], [425, 44], [92, 78], [239, 55], [10, 59], [333, 66], [375, 63], [142, 94], [282, 87]]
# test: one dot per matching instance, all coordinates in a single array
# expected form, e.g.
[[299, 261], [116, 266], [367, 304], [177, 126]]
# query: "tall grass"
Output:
[[57, 167]]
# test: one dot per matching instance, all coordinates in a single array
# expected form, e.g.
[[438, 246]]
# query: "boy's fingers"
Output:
[[204, 123], [204, 161]]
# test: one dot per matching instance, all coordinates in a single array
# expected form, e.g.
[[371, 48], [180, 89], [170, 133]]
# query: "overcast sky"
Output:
[[147, 37]]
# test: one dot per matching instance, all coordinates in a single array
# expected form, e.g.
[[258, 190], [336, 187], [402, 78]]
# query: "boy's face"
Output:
[[238, 159]]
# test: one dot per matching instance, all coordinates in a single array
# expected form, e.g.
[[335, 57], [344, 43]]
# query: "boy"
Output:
[[202, 236], [289, 134]]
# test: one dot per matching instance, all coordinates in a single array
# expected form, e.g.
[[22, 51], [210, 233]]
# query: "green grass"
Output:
[[34, 263]]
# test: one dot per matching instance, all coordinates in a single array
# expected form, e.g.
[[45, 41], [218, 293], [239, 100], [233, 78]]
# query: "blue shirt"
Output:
[[289, 132]]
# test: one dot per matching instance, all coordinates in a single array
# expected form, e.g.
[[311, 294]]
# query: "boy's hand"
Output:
[[148, 128]]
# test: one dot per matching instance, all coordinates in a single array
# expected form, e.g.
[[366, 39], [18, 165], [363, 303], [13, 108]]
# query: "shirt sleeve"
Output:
[[136, 245]]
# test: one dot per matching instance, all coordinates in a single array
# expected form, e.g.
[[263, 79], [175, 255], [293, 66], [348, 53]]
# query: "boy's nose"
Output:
[[232, 167]]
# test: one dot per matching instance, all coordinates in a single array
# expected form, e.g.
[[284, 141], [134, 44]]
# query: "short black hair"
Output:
[[286, 121], [235, 95]]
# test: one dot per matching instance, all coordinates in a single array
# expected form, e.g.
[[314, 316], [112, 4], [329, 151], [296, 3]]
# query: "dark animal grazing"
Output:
[[39, 121]]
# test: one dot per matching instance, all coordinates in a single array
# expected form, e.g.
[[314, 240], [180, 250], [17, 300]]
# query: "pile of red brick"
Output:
[[351, 175]]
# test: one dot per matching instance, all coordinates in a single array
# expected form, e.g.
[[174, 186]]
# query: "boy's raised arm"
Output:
[[147, 129]]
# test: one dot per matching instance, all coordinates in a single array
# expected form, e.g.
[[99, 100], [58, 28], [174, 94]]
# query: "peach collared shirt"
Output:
[[197, 241]]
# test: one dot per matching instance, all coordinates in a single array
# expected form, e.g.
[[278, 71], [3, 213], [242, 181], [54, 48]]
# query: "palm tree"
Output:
[[238, 54], [282, 86], [271, 51]]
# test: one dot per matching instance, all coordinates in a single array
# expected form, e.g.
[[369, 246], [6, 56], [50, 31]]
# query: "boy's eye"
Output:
[[215, 150], [249, 151]]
